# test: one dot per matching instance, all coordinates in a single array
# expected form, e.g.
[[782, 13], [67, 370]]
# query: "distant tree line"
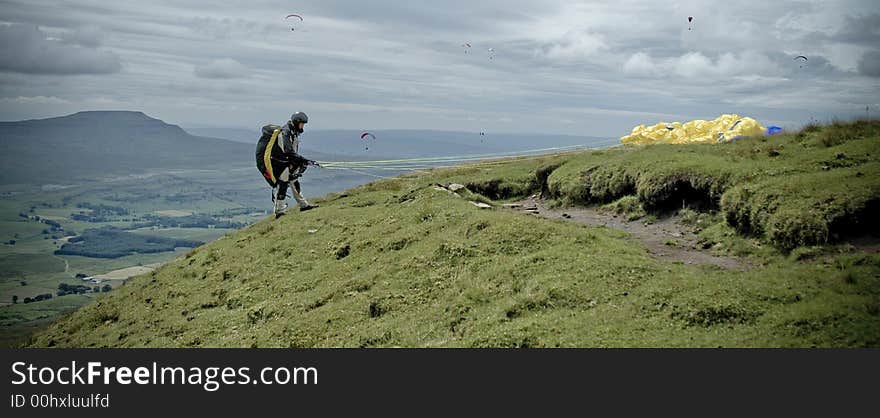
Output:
[[133, 196], [79, 289], [187, 197], [238, 212], [189, 221], [54, 224], [37, 298], [108, 209], [54, 228], [98, 212], [110, 242], [72, 289]]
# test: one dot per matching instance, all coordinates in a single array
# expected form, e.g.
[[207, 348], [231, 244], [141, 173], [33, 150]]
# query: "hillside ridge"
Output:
[[410, 262]]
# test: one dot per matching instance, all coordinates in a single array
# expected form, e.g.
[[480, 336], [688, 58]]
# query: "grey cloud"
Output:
[[869, 65], [26, 49], [227, 28], [464, 17], [403, 61], [225, 68], [861, 30], [89, 36]]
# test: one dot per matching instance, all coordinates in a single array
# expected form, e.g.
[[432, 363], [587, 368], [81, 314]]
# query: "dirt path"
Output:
[[66, 264], [655, 237]]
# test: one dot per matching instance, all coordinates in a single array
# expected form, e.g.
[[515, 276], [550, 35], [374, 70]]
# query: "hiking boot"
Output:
[[305, 208]]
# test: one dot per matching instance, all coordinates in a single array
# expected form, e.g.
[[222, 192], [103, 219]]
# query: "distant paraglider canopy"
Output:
[[466, 46], [690, 20], [364, 137], [296, 16], [801, 59], [491, 52]]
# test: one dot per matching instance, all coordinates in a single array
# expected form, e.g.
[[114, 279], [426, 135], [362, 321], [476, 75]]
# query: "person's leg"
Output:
[[300, 200], [280, 194], [278, 183], [281, 190], [285, 176]]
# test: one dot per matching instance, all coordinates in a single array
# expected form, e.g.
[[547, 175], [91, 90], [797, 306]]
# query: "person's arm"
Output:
[[289, 149]]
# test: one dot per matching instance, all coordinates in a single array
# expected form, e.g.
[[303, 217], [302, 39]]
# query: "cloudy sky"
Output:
[[589, 68]]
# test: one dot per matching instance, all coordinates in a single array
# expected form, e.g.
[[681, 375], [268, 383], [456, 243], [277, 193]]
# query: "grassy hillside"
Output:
[[798, 189], [401, 262]]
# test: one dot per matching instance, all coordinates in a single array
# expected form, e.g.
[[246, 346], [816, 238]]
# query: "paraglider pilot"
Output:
[[279, 162]]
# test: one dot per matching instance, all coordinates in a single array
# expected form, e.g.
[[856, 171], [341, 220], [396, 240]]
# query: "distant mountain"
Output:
[[101, 144], [104, 144], [248, 136]]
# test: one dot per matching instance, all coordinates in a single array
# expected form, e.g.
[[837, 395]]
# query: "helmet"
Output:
[[299, 117]]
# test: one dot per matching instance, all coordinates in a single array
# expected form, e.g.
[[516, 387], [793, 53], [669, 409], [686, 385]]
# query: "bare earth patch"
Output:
[[866, 244], [123, 274], [666, 239]]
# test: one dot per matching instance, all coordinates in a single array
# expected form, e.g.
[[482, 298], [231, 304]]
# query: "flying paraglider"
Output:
[[364, 137], [690, 20], [801, 60], [491, 52], [296, 16], [466, 46]]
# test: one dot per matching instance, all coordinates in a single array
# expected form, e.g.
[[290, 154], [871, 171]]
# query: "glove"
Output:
[[296, 160]]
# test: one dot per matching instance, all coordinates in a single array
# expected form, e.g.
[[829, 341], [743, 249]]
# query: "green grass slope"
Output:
[[796, 189], [400, 262]]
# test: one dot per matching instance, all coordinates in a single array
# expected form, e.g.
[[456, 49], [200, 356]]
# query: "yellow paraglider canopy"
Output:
[[723, 129]]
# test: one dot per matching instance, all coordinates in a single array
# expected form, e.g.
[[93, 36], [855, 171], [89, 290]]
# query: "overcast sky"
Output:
[[588, 68]]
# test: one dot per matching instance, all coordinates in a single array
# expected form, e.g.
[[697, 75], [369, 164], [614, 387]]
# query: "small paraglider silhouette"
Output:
[[364, 137], [296, 16], [690, 20], [491, 52], [801, 60], [466, 46]]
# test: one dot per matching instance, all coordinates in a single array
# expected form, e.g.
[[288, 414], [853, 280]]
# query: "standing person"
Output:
[[280, 163]]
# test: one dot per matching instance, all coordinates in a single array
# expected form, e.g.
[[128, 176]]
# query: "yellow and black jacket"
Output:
[[277, 149]]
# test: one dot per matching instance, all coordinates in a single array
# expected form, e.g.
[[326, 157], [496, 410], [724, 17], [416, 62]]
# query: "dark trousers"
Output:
[[282, 189]]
